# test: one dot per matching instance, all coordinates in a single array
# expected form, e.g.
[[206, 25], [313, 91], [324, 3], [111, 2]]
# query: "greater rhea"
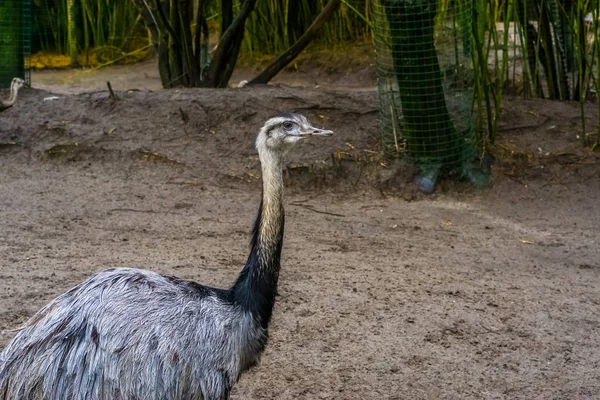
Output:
[[135, 334], [15, 85]]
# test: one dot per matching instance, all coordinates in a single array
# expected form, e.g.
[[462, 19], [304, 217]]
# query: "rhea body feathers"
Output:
[[135, 334], [15, 86]]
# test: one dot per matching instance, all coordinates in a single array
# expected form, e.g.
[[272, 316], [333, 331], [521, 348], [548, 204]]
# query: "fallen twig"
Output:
[[153, 155], [369, 111], [530, 126], [490, 330], [142, 211], [183, 182], [514, 178], [112, 94], [315, 107], [291, 97], [184, 117], [311, 208]]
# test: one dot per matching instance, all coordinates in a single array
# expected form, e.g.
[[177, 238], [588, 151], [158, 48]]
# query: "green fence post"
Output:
[[15, 41], [425, 85]]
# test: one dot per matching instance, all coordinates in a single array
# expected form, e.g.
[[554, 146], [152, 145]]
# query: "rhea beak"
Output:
[[312, 131]]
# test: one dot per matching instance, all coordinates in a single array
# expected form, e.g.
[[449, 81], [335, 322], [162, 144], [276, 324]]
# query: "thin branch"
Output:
[[149, 20], [165, 21], [233, 55], [517, 127], [112, 94], [199, 18], [142, 211], [311, 208], [225, 42]]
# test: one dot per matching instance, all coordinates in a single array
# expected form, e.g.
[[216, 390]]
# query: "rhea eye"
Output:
[[288, 126]]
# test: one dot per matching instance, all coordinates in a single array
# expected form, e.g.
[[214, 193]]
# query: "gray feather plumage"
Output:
[[162, 331]]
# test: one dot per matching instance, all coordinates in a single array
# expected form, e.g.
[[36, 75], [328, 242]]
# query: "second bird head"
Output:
[[18, 83], [286, 129]]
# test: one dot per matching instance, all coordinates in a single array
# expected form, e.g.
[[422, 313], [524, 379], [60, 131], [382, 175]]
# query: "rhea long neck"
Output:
[[13, 95], [255, 289]]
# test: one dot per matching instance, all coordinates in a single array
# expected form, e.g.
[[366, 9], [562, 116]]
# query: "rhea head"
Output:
[[279, 133], [17, 83]]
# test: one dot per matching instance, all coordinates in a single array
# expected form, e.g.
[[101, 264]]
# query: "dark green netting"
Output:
[[425, 81], [15, 40]]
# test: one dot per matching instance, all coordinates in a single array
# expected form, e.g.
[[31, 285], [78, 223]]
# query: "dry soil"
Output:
[[385, 293]]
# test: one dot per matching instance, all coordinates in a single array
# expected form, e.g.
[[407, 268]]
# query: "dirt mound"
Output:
[[208, 133], [465, 294]]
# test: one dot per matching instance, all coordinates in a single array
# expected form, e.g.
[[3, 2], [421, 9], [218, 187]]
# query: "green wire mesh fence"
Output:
[[15, 41], [425, 81]]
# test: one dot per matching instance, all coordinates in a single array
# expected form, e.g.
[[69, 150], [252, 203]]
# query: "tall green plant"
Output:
[[71, 31], [558, 50], [180, 34], [74, 26], [490, 80], [52, 21], [276, 24], [108, 22]]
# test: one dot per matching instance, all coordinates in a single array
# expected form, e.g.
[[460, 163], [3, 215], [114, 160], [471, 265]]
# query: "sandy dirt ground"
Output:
[[385, 293], [311, 70]]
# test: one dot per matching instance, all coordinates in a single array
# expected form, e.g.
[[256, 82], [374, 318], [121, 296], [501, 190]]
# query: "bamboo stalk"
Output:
[[72, 33], [392, 113]]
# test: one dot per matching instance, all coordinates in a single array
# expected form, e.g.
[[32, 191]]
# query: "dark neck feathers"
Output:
[[256, 287]]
